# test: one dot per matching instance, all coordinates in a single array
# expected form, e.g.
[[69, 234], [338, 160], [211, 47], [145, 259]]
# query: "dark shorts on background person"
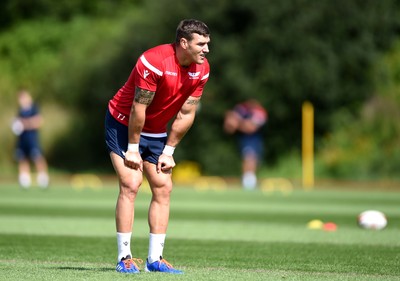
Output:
[[28, 146], [116, 137], [32, 153], [251, 145]]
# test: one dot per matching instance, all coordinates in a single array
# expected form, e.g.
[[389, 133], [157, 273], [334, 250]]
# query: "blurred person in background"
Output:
[[26, 127], [247, 119], [166, 84]]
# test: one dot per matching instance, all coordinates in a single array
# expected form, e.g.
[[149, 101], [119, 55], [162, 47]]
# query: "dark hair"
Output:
[[187, 27]]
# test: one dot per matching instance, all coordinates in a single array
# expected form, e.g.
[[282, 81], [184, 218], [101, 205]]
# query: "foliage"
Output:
[[44, 56], [16, 11], [367, 146], [283, 53], [78, 53]]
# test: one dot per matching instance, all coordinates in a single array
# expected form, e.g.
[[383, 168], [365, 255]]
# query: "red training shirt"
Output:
[[159, 71]]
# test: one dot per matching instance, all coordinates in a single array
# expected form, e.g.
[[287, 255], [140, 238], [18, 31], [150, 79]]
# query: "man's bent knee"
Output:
[[162, 192], [129, 188]]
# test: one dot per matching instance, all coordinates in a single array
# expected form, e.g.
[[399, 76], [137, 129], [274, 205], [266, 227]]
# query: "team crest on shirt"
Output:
[[146, 73], [194, 75]]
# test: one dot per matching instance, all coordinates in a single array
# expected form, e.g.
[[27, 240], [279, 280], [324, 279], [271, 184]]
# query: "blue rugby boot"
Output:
[[128, 265], [161, 266]]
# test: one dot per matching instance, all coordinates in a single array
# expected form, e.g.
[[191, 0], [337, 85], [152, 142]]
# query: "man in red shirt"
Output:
[[166, 84]]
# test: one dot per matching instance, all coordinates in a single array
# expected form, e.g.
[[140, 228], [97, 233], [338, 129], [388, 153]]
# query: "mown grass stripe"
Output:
[[65, 234]]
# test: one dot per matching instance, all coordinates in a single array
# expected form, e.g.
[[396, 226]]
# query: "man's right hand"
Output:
[[133, 160]]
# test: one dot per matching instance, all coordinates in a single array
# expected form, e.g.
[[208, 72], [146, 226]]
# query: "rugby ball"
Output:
[[372, 219]]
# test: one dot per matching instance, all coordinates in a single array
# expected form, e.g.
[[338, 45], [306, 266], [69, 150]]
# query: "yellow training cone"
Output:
[[315, 224]]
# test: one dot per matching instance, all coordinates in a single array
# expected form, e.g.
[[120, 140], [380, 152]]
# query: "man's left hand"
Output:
[[165, 164]]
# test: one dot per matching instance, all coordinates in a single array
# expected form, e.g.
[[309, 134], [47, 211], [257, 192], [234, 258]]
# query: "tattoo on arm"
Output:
[[143, 96], [192, 101]]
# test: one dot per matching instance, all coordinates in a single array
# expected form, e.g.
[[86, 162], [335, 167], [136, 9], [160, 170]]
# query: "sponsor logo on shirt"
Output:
[[171, 73], [194, 75], [146, 73]]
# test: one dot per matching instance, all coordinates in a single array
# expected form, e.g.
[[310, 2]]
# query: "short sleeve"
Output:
[[147, 74], [203, 80]]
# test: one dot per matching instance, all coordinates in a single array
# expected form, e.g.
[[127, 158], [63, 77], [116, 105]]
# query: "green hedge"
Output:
[[280, 52]]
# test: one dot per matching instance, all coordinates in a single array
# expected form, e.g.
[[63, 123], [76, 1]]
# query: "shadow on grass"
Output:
[[78, 268]]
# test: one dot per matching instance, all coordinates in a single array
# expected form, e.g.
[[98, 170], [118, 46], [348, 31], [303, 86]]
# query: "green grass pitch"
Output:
[[68, 234]]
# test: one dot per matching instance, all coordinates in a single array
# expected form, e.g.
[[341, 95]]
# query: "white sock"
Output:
[[42, 179], [249, 180], [24, 180], [124, 244], [156, 247]]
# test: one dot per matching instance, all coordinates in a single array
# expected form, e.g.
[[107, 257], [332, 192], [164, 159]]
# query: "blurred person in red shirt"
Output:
[[247, 119]]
